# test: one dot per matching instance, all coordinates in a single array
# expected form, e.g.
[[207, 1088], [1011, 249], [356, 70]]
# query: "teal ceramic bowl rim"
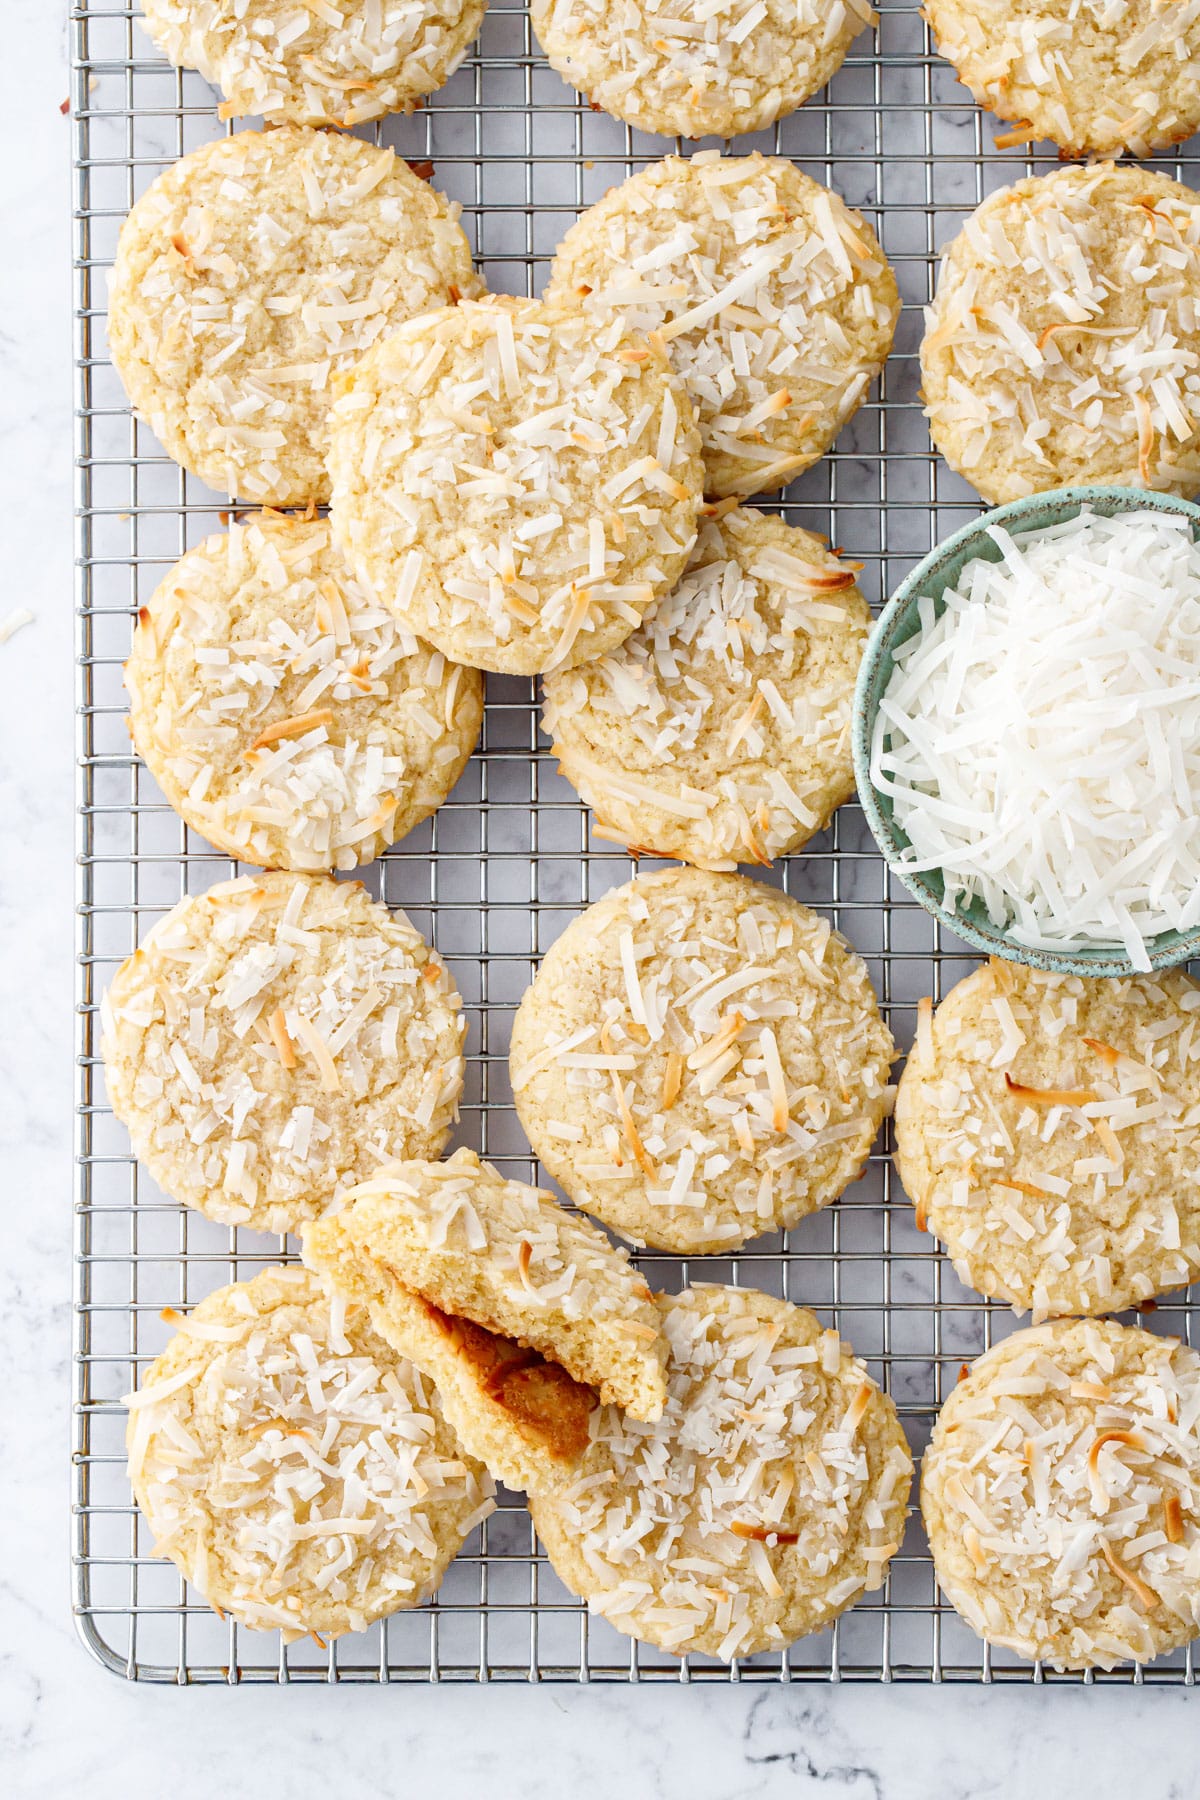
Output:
[[898, 622]]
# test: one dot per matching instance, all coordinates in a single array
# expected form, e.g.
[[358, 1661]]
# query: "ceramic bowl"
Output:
[[900, 621]]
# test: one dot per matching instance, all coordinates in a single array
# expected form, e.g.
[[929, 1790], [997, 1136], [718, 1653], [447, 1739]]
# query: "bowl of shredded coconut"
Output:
[[1027, 731]]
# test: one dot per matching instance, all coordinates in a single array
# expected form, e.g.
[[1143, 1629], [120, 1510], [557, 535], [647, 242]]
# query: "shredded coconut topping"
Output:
[[252, 272], [289, 718], [517, 482], [775, 297], [698, 67], [1063, 343], [316, 62], [1049, 1129], [1059, 1493], [767, 1498], [300, 1475], [1040, 740], [732, 699], [277, 1040], [746, 1094]]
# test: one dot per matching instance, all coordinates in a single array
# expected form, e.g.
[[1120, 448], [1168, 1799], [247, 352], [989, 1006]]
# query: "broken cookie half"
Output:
[[522, 1314]]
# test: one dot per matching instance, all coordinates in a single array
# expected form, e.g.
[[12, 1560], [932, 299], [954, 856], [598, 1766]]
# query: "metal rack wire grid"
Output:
[[498, 872]]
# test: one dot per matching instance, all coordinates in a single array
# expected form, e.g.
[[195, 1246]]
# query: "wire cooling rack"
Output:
[[506, 863]]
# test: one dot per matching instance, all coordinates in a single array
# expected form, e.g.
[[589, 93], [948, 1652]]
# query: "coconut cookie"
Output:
[[1096, 76], [1060, 1495], [719, 731], [274, 1041], [316, 62], [719, 70], [776, 301], [769, 1496], [298, 1473], [507, 1257], [517, 481], [1048, 1129], [521, 1414], [249, 274], [700, 1060], [1063, 343], [287, 716]]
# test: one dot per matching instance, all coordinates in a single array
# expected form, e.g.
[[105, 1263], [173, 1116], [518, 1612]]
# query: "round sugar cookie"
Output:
[[298, 1473], [276, 1040], [1063, 343], [253, 271], [770, 1495], [286, 715], [719, 731], [507, 1257], [666, 66], [775, 298], [517, 481], [1061, 1495], [1094, 76], [699, 1060], [1048, 1130], [316, 62]]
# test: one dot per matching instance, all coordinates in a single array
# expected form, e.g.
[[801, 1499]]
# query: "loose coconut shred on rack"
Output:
[[775, 299], [286, 715], [297, 1471], [316, 62], [276, 1040], [770, 1495], [1059, 1494], [699, 1060]]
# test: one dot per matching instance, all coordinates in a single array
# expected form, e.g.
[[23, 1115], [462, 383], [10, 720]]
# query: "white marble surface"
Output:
[[67, 1727]]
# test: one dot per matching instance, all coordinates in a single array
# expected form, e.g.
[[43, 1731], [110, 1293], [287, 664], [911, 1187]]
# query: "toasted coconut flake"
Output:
[[1022, 132], [672, 1079], [1145, 1596], [1133, 1440], [714, 1047], [1025, 1187], [629, 1127], [763, 1534], [1050, 1096], [281, 1039], [975, 1548], [1108, 1137], [857, 1409], [292, 728], [319, 1050]]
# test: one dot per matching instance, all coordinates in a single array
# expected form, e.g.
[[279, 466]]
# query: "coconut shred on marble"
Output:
[[1040, 740]]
